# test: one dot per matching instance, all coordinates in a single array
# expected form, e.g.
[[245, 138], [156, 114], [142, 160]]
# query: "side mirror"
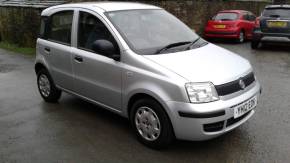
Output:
[[106, 48]]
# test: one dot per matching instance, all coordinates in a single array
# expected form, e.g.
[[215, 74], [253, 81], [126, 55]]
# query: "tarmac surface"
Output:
[[76, 131]]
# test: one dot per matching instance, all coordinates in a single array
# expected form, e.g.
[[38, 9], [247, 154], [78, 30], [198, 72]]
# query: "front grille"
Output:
[[232, 120], [213, 127], [234, 86]]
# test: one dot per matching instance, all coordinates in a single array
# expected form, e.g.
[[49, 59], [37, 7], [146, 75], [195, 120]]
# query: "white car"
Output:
[[142, 63]]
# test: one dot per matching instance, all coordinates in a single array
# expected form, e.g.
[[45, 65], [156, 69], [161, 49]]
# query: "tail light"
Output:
[[257, 22]]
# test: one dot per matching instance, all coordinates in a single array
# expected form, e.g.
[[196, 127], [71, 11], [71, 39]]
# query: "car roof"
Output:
[[277, 6], [234, 11], [104, 6]]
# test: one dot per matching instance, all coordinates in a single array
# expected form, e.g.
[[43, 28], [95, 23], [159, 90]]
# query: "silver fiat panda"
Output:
[[142, 63]]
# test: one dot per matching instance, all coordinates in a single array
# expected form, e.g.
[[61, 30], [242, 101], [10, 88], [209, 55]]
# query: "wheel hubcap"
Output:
[[147, 123], [44, 85]]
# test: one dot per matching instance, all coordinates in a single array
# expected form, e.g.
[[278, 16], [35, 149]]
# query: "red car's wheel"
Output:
[[241, 38]]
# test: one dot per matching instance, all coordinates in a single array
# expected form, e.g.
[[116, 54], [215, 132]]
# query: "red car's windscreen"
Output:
[[226, 16]]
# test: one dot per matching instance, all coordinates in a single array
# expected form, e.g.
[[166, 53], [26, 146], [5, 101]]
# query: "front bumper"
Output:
[[193, 128]]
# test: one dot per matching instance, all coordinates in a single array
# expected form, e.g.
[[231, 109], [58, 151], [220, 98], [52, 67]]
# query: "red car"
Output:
[[234, 24]]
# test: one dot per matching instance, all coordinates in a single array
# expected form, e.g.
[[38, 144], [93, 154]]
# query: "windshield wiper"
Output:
[[192, 43], [172, 46]]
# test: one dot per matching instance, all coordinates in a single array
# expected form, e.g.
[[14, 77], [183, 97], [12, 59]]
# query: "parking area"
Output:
[[76, 131]]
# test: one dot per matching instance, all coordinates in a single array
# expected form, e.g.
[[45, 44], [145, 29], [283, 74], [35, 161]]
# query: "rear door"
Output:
[[245, 23], [249, 23], [55, 46], [276, 20]]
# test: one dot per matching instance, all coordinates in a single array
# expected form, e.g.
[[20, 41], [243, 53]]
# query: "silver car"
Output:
[[143, 63]]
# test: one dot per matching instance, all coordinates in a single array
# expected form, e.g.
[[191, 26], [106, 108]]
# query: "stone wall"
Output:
[[20, 25]]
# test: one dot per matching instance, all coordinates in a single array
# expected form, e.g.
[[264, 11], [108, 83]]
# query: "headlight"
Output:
[[201, 92]]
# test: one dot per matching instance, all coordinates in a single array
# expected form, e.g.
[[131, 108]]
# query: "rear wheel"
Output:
[[151, 124], [255, 44], [46, 87], [241, 38]]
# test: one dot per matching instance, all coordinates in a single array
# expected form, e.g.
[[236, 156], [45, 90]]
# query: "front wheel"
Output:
[[46, 87], [151, 124]]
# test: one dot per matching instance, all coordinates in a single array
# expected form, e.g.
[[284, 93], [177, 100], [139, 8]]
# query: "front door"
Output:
[[96, 76]]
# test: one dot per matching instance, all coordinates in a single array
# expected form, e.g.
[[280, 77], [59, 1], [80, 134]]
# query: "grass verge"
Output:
[[17, 49]]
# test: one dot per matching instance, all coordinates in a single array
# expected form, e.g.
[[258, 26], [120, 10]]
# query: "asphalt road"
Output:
[[76, 131]]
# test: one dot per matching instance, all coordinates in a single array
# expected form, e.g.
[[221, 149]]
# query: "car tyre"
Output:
[[255, 44], [151, 124], [242, 37], [46, 87]]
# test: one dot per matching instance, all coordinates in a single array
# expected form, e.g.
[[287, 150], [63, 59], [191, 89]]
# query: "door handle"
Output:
[[78, 59], [47, 50]]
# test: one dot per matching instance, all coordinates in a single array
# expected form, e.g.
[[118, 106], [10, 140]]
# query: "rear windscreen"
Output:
[[277, 13], [226, 16]]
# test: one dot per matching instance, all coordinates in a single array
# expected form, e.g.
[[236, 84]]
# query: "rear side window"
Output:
[[277, 12], [249, 17], [60, 26], [43, 27], [226, 16], [246, 16], [252, 17]]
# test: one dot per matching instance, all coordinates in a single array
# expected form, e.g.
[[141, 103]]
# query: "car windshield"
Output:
[[226, 16], [277, 13], [147, 31]]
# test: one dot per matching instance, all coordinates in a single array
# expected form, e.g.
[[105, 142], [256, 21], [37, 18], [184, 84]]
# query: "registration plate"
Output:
[[245, 107], [277, 24], [220, 26]]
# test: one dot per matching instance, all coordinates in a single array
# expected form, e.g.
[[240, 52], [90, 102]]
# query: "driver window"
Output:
[[90, 29]]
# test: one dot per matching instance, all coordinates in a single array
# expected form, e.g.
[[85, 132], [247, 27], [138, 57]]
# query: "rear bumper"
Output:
[[200, 119], [258, 35], [221, 33]]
